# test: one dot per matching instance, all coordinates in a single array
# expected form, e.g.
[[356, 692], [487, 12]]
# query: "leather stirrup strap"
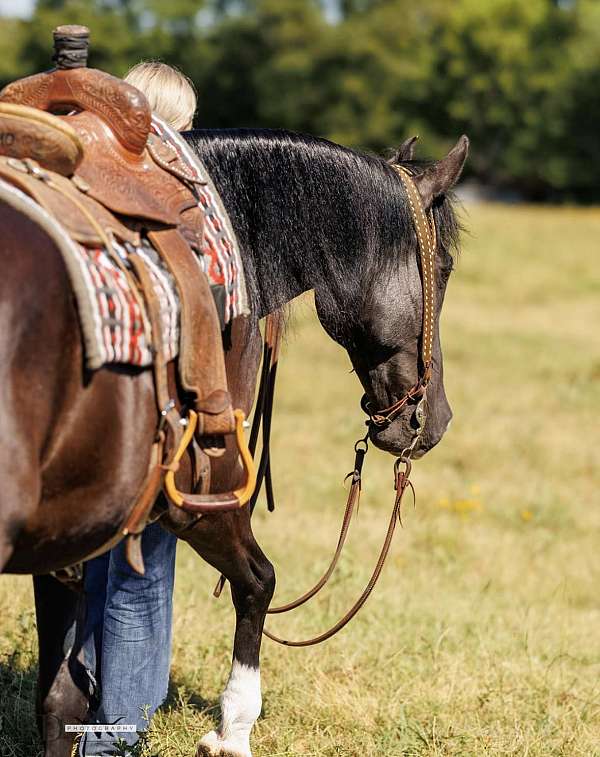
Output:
[[197, 503], [169, 417], [201, 363], [138, 518]]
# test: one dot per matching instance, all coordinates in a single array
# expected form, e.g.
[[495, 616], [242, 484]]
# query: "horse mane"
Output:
[[337, 215]]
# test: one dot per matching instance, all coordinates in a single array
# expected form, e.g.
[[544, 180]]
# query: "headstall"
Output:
[[426, 235]]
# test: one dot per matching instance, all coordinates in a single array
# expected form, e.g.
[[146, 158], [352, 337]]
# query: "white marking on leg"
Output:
[[241, 703]]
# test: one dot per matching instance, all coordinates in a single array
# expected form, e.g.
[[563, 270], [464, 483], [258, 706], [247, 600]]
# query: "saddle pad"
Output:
[[115, 326], [122, 332], [222, 259]]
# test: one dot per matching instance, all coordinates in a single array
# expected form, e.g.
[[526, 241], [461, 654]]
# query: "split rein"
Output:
[[378, 419]]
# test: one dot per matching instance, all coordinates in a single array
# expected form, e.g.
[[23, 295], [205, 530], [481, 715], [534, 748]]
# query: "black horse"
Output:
[[308, 214]]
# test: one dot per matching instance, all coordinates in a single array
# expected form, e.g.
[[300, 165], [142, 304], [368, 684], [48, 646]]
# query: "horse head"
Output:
[[310, 214], [384, 331]]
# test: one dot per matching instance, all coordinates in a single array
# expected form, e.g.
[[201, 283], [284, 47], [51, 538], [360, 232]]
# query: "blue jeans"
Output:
[[128, 637]]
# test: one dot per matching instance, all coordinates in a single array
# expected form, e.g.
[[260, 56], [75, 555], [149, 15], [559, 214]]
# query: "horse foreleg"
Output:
[[252, 580], [62, 693]]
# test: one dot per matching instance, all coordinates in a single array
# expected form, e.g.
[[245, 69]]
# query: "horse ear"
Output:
[[441, 176], [406, 151]]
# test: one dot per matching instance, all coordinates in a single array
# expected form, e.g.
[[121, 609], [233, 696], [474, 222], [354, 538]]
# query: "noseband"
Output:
[[426, 236]]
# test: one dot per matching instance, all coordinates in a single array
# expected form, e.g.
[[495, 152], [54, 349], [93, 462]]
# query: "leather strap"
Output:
[[264, 407], [352, 504], [167, 157], [201, 364], [140, 515], [426, 236], [401, 483], [263, 412]]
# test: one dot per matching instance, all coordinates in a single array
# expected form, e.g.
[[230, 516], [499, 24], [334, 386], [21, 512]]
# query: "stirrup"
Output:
[[213, 503]]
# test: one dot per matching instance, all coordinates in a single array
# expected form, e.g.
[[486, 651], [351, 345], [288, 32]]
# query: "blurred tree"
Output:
[[261, 70], [226, 75], [574, 167], [377, 74], [496, 76], [13, 34], [519, 78], [292, 33], [351, 7]]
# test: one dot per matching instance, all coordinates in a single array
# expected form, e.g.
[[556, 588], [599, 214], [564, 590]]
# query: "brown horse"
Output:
[[309, 215]]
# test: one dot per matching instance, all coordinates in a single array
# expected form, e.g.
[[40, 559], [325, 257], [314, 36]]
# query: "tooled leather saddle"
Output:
[[79, 142]]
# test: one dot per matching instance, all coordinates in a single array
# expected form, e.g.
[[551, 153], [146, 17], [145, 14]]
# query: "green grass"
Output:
[[482, 637]]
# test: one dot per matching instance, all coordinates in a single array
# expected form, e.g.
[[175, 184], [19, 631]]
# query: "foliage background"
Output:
[[520, 78], [482, 637]]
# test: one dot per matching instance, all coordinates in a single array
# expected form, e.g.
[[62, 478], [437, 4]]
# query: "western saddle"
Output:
[[79, 142]]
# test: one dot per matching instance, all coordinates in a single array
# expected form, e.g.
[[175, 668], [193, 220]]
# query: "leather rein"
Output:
[[417, 394]]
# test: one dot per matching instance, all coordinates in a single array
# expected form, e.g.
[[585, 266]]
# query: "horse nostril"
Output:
[[365, 404]]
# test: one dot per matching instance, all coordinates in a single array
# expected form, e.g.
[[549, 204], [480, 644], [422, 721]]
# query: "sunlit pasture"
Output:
[[483, 636]]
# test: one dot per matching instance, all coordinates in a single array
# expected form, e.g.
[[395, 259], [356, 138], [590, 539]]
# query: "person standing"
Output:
[[129, 617]]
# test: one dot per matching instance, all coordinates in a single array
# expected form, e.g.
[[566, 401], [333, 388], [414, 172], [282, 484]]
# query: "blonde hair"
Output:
[[170, 93]]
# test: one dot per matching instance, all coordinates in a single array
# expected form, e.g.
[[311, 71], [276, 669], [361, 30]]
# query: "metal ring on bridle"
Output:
[[365, 441]]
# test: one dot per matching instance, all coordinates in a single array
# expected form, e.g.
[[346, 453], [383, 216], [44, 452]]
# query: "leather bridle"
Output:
[[426, 235]]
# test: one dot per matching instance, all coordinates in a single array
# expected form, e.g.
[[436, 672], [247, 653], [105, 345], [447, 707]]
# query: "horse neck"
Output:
[[274, 281], [280, 264], [300, 208]]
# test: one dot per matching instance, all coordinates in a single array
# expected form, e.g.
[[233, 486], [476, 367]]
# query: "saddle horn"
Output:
[[71, 46], [73, 86]]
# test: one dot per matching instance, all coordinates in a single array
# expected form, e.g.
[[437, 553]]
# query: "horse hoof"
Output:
[[212, 745]]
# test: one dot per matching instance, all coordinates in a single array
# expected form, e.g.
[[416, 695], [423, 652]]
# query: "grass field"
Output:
[[483, 636]]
